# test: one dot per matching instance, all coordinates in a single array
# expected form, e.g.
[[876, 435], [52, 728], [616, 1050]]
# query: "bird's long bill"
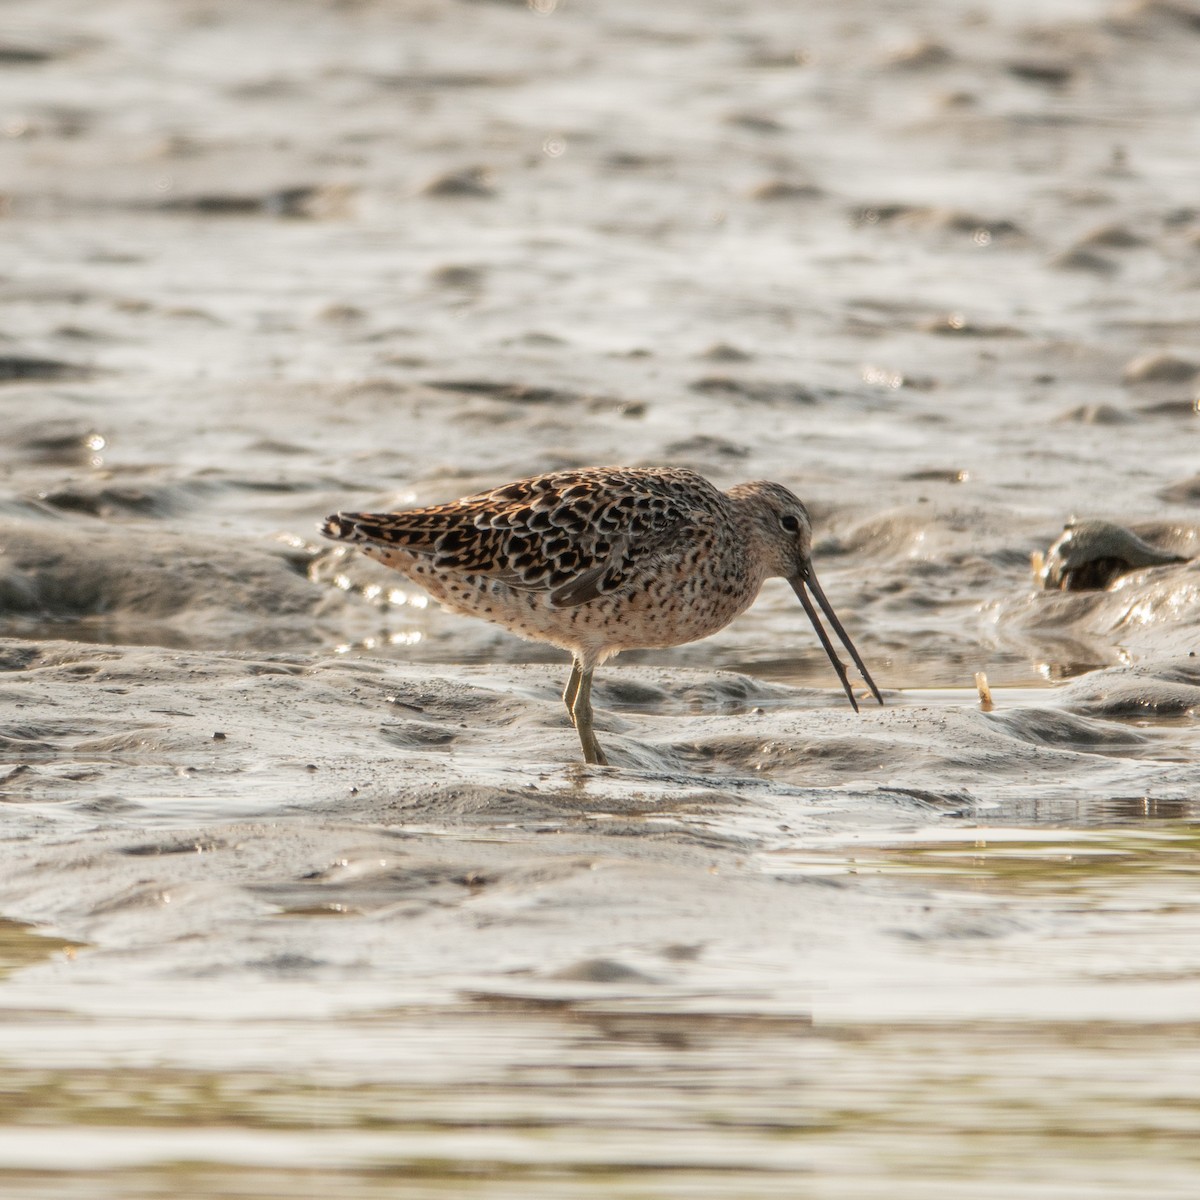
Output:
[[804, 583]]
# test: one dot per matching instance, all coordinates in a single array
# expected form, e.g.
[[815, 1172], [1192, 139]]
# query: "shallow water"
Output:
[[304, 892]]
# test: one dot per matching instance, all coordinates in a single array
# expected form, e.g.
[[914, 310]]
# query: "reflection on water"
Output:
[[1149, 869], [595, 1092], [588, 1101]]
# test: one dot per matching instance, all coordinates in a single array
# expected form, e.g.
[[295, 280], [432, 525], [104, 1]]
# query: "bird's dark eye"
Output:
[[790, 523]]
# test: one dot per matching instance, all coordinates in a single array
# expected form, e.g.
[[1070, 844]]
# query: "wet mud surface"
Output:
[[303, 889]]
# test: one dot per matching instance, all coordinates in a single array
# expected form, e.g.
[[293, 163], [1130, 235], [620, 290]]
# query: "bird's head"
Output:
[[782, 530]]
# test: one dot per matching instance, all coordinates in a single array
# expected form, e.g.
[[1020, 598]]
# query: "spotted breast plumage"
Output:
[[604, 559]]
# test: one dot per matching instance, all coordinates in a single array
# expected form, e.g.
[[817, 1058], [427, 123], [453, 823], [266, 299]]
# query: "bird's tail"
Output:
[[390, 530], [352, 527]]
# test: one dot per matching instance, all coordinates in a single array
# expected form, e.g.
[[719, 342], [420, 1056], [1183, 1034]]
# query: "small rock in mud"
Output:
[[1090, 555]]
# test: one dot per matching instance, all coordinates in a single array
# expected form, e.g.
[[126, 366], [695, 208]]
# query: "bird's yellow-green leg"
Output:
[[572, 689], [581, 714]]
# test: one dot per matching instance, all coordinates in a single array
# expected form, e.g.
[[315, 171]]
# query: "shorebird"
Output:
[[605, 559]]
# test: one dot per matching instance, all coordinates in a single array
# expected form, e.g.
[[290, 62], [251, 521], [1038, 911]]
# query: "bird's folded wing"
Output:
[[574, 541]]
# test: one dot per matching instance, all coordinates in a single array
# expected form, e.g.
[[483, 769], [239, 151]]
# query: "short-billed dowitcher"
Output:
[[605, 559]]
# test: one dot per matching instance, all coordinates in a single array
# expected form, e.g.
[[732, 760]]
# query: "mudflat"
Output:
[[305, 892]]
